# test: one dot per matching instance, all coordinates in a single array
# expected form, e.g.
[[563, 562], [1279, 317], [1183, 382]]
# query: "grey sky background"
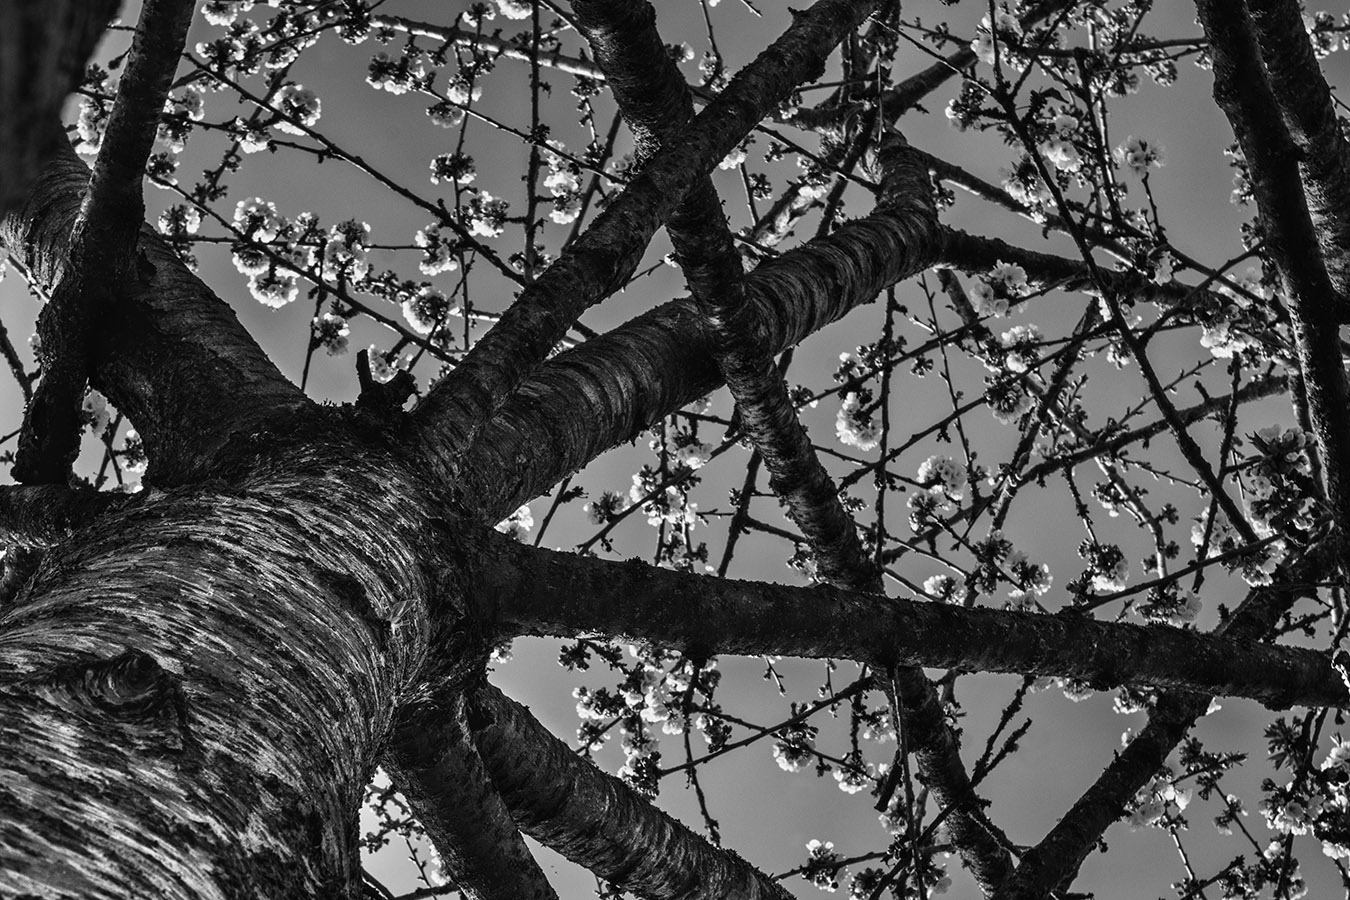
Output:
[[766, 814]]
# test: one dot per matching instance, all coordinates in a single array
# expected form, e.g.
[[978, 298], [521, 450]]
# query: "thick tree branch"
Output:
[[39, 516], [44, 45], [1300, 89], [434, 763], [102, 245], [172, 355], [1243, 92], [543, 592], [586, 400], [606, 391], [656, 103], [602, 259], [594, 819]]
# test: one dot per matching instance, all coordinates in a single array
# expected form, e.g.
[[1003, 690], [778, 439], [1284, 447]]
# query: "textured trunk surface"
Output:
[[195, 688]]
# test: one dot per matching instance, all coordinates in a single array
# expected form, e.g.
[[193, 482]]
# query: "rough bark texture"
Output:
[[103, 246], [44, 45], [177, 362], [617, 384], [453, 795], [193, 695], [197, 682], [1244, 93], [1305, 102], [40, 516], [594, 819], [541, 592]]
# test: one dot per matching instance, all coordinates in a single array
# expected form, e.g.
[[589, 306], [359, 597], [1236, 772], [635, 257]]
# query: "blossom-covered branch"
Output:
[[657, 104]]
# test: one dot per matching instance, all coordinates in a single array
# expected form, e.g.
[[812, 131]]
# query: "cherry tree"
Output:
[[235, 611]]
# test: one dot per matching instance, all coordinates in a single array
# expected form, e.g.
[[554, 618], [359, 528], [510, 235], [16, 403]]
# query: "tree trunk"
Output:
[[195, 688]]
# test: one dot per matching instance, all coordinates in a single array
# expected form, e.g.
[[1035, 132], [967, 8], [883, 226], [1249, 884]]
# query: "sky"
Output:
[[766, 814]]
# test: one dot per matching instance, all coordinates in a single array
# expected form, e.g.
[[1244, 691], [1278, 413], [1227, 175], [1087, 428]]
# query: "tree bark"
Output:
[[195, 687]]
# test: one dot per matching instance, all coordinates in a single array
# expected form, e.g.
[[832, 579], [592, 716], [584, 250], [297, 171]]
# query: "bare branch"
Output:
[[469, 38], [1055, 860]]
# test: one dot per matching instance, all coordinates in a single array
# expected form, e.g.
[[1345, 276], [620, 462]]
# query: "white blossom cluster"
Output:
[[486, 215], [224, 12], [999, 291], [795, 747], [330, 332], [428, 309], [651, 701], [945, 482], [397, 76], [563, 182], [1059, 148], [438, 251], [1008, 400], [854, 424], [1137, 154], [1172, 605], [1002, 28], [1314, 806], [382, 369], [1024, 184], [1019, 344], [1258, 566], [518, 523], [344, 253], [1031, 579], [670, 506], [298, 105], [946, 589], [179, 221], [1150, 803]]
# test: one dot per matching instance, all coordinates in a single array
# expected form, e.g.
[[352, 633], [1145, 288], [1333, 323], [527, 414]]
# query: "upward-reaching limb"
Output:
[[172, 355], [102, 245], [44, 45]]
